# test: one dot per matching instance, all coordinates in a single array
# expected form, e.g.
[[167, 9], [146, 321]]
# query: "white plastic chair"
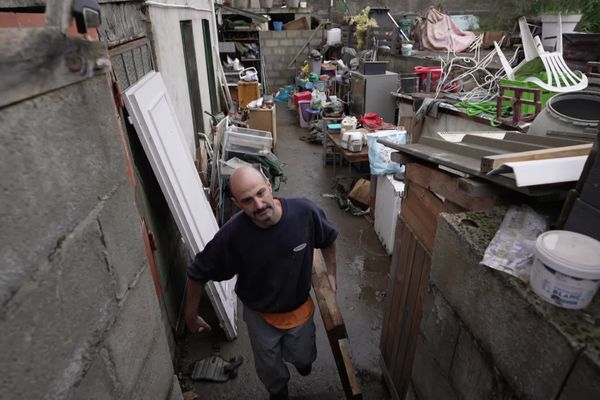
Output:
[[560, 78]]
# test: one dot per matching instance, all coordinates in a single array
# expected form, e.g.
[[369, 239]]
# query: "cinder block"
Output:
[[156, 378], [271, 43], [96, 384], [506, 323], [286, 42], [473, 376], [584, 381], [266, 51], [131, 338], [428, 380], [52, 324], [120, 224], [294, 33], [440, 327], [299, 43], [53, 172], [279, 51]]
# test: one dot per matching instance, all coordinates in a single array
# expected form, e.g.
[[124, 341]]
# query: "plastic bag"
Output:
[[283, 95], [371, 121], [380, 156], [512, 249], [317, 100]]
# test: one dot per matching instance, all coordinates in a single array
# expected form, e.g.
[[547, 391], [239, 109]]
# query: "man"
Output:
[[270, 247]]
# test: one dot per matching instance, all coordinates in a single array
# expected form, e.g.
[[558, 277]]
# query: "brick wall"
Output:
[[486, 335], [279, 48], [79, 312]]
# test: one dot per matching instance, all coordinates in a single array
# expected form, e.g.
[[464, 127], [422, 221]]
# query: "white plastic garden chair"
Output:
[[560, 78]]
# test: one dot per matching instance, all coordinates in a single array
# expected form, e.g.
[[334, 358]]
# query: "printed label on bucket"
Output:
[[560, 289]]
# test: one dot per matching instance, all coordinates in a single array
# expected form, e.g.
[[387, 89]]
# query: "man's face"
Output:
[[255, 198]]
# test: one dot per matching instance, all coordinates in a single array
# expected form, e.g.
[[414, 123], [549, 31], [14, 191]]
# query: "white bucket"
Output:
[[566, 269], [334, 36]]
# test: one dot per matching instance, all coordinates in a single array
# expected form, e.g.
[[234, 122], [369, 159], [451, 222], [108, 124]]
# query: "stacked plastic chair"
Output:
[[559, 77]]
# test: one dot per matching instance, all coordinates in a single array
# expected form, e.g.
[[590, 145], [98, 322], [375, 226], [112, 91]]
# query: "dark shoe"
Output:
[[304, 371], [283, 395]]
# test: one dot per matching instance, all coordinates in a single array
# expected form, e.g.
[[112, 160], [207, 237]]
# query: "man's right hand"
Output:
[[196, 324]]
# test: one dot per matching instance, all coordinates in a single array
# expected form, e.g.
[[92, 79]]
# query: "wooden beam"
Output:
[[489, 163], [335, 327], [39, 60], [446, 185], [352, 388]]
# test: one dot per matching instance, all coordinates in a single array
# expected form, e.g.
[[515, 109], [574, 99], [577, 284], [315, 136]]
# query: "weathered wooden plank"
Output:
[[420, 211], [330, 312], [421, 266], [403, 278], [352, 387], [489, 163], [39, 60], [335, 327], [58, 14], [446, 185], [389, 382], [476, 188], [122, 21]]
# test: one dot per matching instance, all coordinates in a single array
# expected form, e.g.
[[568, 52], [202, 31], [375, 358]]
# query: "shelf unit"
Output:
[[244, 36]]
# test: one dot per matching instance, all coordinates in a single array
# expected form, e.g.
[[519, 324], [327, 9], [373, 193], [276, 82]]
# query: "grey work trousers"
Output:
[[272, 346]]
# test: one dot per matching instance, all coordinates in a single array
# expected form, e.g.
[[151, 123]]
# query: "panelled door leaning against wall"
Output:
[[161, 136]]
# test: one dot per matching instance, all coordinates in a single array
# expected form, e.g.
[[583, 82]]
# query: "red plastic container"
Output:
[[430, 77], [302, 96]]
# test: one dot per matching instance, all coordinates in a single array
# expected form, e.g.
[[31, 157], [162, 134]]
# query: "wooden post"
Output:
[[335, 327]]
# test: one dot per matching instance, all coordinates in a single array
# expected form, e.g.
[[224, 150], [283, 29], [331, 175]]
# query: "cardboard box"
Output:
[[297, 24], [361, 192]]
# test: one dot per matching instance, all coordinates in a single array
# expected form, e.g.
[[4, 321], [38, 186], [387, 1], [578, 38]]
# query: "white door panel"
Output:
[[163, 141]]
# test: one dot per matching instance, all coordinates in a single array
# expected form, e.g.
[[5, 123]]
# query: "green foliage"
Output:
[[590, 22], [362, 22], [507, 13]]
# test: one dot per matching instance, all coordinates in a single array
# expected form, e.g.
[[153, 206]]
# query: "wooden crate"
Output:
[[264, 119], [411, 260], [246, 92]]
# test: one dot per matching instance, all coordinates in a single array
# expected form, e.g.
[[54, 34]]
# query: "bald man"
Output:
[[269, 245]]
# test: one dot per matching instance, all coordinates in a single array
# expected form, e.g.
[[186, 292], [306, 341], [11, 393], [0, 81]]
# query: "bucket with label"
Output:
[[566, 268]]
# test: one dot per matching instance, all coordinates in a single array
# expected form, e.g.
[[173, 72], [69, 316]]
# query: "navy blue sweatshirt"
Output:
[[273, 265]]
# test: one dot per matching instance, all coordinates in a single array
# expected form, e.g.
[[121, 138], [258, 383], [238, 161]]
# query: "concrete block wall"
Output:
[[80, 317], [487, 335], [279, 48]]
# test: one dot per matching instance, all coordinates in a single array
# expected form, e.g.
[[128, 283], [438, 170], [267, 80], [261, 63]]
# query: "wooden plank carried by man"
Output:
[[335, 327]]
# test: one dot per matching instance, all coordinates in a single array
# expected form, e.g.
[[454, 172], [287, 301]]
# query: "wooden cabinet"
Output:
[[264, 119]]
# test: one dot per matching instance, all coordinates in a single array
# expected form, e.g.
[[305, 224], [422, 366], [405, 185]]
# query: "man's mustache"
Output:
[[262, 209]]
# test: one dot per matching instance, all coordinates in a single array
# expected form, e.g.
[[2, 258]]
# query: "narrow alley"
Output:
[[363, 269]]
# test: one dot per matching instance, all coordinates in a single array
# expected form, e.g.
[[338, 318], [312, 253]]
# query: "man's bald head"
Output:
[[252, 192], [245, 177]]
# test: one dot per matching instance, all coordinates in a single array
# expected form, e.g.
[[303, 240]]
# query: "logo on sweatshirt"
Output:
[[299, 247]]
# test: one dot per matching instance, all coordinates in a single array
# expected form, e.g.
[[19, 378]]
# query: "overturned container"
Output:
[[575, 114]]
